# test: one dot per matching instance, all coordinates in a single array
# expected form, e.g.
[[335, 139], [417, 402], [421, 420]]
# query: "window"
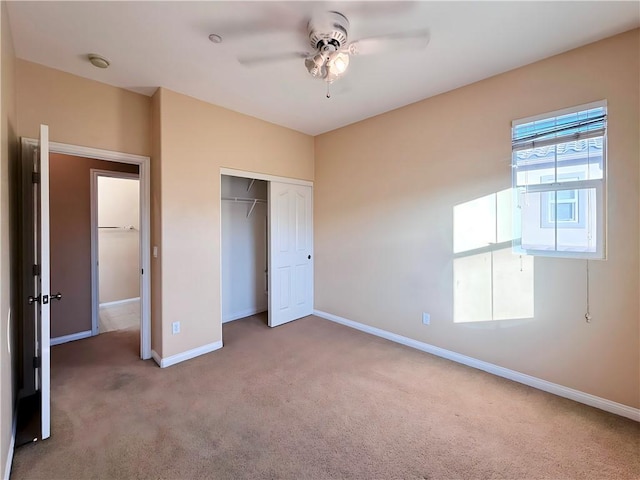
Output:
[[559, 179]]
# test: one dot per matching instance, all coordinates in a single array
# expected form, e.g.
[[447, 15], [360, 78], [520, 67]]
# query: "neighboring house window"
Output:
[[567, 207], [559, 181]]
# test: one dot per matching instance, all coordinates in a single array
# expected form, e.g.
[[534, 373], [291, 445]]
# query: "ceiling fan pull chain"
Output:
[[328, 91]]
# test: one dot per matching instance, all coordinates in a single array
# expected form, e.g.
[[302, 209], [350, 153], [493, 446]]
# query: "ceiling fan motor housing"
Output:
[[329, 29]]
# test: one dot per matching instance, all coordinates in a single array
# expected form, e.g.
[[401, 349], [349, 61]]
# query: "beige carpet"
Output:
[[311, 400]]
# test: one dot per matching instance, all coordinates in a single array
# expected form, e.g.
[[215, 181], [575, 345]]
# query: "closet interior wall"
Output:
[[118, 239], [244, 247]]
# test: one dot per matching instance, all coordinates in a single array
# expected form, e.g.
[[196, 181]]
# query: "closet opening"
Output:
[[266, 251], [244, 248], [115, 219]]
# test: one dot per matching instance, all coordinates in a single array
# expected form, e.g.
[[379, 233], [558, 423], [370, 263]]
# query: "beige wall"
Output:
[[80, 111], [8, 285], [385, 189], [118, 248], [197, 139], [70, 238]]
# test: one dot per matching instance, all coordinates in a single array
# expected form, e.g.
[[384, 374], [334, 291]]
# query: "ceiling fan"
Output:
[[330, 55]]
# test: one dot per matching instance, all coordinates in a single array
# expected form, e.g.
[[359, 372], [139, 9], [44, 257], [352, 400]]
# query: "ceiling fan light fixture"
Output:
[[315, 65], [337, 63]]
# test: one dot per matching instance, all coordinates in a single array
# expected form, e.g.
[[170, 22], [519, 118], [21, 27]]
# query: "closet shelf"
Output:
[[126, 229], [253, 202], [246, 200]]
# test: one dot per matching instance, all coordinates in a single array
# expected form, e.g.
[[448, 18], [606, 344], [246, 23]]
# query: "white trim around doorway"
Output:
[[253, 176], [144, 166], [263, 176]]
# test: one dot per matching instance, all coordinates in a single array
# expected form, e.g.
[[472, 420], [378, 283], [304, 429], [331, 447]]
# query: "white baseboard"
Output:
[[71, 338], [188, 355], [12, 444], [156, 358], [119, 302], [560, 390], [244, 313]]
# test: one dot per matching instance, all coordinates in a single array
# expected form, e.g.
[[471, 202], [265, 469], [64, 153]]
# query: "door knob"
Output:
[[33, 300], [57, 296]]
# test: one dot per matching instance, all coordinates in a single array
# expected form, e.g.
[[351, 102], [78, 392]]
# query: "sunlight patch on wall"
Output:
[[489, 282]]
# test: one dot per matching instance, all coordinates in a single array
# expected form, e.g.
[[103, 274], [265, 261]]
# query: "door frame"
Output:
[[257, 176], [95, 270], [144, 166]]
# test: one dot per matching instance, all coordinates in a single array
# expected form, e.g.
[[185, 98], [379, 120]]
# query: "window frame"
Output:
[[547, 189]]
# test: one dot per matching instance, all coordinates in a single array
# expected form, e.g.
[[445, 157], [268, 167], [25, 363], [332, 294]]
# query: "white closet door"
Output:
[[290, 252]]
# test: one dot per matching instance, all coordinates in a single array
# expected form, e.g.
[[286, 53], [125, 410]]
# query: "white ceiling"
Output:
[[152, 44]]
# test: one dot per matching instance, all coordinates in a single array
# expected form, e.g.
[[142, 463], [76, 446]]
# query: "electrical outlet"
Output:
[[175, 327], [426, 318]]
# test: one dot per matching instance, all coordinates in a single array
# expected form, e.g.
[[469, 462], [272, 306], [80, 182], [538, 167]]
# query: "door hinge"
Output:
[[36, 270], [35, 177], [36, 362]]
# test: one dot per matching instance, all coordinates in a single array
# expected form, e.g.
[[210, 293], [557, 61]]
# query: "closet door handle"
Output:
[[57, 296]]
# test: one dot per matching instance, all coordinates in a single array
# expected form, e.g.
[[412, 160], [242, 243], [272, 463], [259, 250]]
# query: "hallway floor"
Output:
[[122, 316]]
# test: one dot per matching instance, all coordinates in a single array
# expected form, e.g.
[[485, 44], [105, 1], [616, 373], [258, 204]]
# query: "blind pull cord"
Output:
[[587, 316]]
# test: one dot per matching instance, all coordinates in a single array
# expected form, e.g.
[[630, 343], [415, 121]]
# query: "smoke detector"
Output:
[[98, 60]]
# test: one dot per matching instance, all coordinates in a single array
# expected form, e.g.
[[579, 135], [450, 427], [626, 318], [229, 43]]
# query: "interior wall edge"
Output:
[[184, 356], [155, 231]]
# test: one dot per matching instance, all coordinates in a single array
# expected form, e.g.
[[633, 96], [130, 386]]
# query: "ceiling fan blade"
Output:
[[415, 40], [256, 60], [251, 19]]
